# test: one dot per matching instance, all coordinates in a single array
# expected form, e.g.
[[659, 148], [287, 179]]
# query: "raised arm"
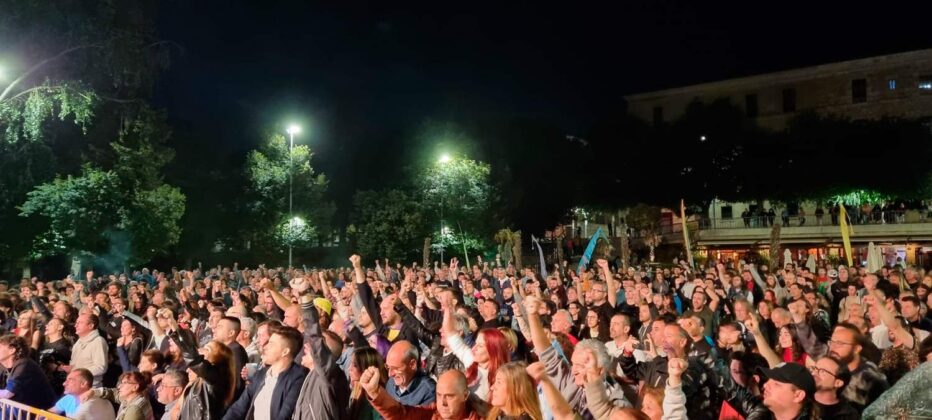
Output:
[[313, 336], [609, 281], [773, 359], [889, 319]]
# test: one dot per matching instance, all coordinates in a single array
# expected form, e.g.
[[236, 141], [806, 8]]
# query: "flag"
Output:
[[543, 265], [589, 250], [846, 232], [689, 253]]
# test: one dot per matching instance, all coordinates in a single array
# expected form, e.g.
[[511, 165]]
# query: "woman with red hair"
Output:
[[489, 352]]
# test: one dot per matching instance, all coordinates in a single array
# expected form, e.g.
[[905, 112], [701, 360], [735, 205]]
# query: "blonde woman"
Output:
[[514, 395], [211, 380]]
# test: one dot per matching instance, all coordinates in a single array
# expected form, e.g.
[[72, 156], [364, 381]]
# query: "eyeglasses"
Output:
[[167, 386], [818, 371], [840, 343], [128, 383]]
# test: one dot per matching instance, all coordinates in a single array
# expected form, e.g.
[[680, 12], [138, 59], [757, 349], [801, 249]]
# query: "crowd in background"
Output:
[[488, 341]]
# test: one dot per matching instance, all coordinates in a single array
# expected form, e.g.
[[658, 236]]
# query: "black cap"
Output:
[[792, 373]]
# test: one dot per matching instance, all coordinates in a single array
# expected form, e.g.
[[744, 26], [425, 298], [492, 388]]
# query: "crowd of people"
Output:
[[487, 341]]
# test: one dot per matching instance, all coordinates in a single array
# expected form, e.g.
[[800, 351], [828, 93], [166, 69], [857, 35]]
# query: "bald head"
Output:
[[452, 394], [453, 381], [401, 362]]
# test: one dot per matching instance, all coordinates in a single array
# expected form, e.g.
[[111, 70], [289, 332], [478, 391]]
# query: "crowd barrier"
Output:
[[12, 410]]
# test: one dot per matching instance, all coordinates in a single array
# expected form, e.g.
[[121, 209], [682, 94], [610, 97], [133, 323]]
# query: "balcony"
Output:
[[904, 226]]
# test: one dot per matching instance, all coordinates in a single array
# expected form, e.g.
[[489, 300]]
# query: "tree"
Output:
[[387, 224], [267, 171], [459, 190], [645, 219], [78, 73]]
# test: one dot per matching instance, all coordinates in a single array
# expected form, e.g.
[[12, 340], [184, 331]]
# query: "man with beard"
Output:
[[867, 382], [831, 376]]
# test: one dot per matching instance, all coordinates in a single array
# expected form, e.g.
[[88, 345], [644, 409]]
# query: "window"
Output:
[[891, 84], [925, 83], [789, 100], [658, 115], [859, 91], [750, 105], [726, 212]]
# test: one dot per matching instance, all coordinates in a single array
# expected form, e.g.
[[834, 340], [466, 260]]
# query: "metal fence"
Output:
[[12, 410]]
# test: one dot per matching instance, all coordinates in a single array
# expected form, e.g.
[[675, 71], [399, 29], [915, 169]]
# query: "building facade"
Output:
[[896, 85]]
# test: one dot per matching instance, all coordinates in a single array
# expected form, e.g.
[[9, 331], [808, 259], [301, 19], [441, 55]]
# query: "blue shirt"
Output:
[[421, 391]]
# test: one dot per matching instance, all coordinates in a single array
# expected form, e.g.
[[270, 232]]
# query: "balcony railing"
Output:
[[766, 222]]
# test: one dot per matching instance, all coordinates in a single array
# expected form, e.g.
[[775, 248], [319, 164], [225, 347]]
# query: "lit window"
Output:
[[891, 84], [925, 83]]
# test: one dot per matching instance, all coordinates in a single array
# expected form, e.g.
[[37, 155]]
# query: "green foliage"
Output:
[[22, 116], [267, 172], [78, 210], [462, 191], [388, 224], [858, 198]]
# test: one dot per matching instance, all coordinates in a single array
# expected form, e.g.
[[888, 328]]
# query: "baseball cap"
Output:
[[792, 373]]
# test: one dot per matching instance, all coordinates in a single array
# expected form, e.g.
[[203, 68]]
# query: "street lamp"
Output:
[[445, 158], [292, 130]]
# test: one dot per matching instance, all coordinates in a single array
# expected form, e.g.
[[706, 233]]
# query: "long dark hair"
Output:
[[363, 358]]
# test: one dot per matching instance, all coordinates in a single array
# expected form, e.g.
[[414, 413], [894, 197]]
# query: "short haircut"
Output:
[[85, 376], [911, 299], [178, 376], [249, 325], [156, 357], [234, 321], [625, 318], [859, 337], [598, 349], [93, 319], [293, 338]]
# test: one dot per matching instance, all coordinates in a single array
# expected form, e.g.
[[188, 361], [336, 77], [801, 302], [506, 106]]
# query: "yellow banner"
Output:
[[846, 232]]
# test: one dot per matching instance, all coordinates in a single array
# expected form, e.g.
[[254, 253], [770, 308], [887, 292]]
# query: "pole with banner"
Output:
[[689, 252], [846, 232], [589, 250]]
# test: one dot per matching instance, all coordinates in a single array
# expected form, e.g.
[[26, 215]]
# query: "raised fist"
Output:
[[356, 260], [369, 380], [676, 367]]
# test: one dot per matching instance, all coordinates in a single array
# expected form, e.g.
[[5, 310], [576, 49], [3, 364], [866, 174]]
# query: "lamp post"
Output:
[[445, 158], [292, 130]]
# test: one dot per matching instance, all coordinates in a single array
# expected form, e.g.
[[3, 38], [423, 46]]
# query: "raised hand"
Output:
[[536, 371], [356, 260], [370, 381], [531, 303], [676, 367]]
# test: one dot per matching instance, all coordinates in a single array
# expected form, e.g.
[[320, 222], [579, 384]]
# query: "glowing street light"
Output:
[[292, 130], [445, 158]]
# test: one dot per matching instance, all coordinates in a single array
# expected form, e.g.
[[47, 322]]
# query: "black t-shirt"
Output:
[[29, 384], [840, 411], [605, 310]]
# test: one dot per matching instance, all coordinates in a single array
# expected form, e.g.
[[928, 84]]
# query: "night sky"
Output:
[[360, 75]]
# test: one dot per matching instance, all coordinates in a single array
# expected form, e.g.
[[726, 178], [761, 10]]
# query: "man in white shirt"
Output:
[[78, 382]]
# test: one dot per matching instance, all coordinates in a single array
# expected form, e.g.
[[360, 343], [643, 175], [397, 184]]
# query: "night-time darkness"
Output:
[[346, 210]]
